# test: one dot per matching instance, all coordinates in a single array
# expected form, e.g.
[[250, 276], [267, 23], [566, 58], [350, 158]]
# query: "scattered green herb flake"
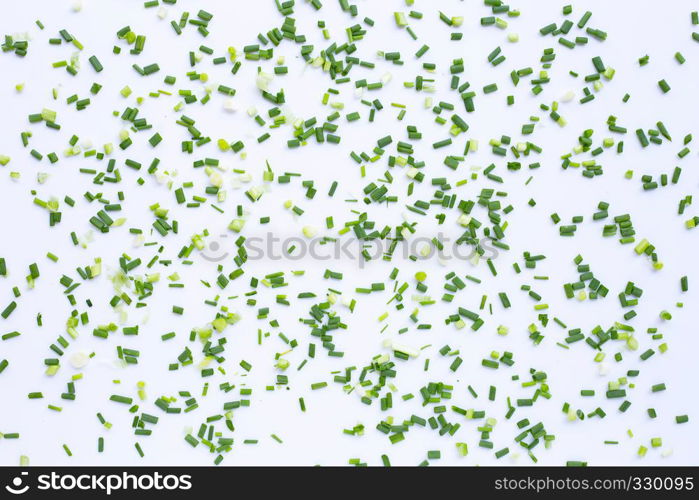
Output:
[[396, 155]]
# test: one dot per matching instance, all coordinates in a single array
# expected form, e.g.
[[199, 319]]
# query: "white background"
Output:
[[658, 29]]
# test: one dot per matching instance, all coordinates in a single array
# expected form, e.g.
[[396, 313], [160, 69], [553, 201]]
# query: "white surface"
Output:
[[635, 28]]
